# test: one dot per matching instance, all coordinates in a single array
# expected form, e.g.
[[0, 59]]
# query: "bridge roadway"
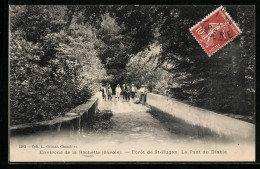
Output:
[[134, 127], [133, 122]]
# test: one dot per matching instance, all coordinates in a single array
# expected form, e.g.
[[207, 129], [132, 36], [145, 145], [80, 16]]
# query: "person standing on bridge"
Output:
[[143, 92], [124, 92], [133, 91], [128, 90], [109, 92], [118, 91], [104, 92]]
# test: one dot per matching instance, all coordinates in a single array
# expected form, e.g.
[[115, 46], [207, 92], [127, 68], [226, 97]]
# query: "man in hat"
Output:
[[124, 92], [128, 90], [143, 91], [104, 92], [109, 92], [133, 91], [118, 91]]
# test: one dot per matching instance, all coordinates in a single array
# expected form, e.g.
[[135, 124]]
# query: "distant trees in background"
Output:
[[142, 69], [60, 55]]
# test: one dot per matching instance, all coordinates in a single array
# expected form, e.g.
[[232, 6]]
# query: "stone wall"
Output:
[[74, 120], [218, 123]]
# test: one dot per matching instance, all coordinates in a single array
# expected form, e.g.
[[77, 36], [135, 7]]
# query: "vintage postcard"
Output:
[[131, 83]]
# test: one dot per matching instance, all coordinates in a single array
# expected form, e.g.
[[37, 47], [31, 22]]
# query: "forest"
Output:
[[60, 56]]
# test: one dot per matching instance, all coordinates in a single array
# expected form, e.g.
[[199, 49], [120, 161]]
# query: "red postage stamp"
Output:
[[215, 31]]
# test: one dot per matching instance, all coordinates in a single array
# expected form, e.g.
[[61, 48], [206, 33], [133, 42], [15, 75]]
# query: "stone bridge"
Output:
[[161, 122]]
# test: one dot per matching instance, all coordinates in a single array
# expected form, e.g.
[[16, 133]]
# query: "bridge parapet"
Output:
[[74, 120], [221, 124]]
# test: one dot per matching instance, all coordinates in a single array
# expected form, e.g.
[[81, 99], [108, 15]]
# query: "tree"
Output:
[[217, 82], [54, 72], [142, 70]]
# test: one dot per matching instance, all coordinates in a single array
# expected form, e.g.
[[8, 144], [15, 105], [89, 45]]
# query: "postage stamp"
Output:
[[215, 31]]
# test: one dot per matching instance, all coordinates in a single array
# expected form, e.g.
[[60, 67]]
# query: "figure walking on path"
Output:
[[133, 91], [104, 92], [118, 91], [109, 92], [143, 91], [124, 92], [128, 92]]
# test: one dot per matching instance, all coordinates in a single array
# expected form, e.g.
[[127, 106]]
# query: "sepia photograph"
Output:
[[132, 83]]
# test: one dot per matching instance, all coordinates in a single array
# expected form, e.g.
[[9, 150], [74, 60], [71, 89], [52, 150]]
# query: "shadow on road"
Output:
[[179, 126], [101, 123]]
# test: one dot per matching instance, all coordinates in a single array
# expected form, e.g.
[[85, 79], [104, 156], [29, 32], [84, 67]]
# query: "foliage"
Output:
[[216, 82], [60, 55], [68, 77], [142, 70]]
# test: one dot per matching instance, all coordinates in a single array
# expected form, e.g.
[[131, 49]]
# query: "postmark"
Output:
[[215, 31]]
